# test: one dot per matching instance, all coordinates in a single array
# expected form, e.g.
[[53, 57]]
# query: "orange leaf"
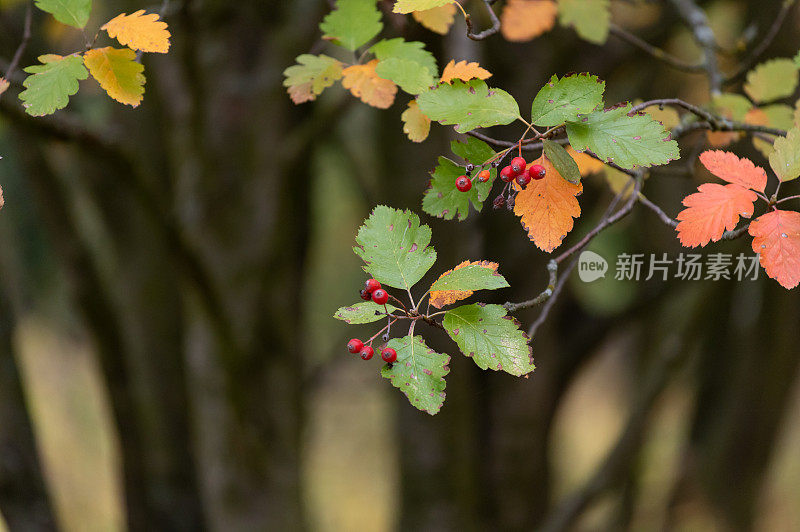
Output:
[[711, 211], [365, 84], [438, 19], [728, 167], [718, 139], [4, 84], [139, 31], [586, 163], [464, 71], [440, 298], [2, 201], [523, 20], [547, 206], [302, 93], [776, 238]]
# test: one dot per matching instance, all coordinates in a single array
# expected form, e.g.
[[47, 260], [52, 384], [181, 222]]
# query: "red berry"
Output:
[[498, 202], [537, 171], [380, 296], [366, 296], [523, 179], [463, 183], [389, 355], [518, 165], [367, 352], [355, 345], [507, 174], [372, 285], [484, 176]]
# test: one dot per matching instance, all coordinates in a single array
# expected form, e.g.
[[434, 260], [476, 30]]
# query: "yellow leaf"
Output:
[[440, 298], [117, 72], [140, 32], [464, 71], [415, 124], [438, 19], [587, 164], [365, 84], [523, 20], [547, 206], [4, 84]]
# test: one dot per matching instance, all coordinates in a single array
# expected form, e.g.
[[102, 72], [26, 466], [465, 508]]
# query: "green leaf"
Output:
[[419, 373], [318, 71], [628, 141], [564, 99], [395, 247], [562, 161], [779, 115], [490, 337], [71, 12], [362, 312], [52, 83], [408, 75], [407, 6], [443, 199], [590, 18], [352, 24], [785, 159], [471, 277], [413, 51], [771, 80], [468, 105]]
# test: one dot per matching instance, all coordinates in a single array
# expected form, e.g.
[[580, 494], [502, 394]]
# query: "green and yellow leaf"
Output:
[[118, 73]]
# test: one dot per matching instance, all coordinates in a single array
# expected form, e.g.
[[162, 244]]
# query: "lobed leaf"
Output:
[[711, 211], [462, 281], [394, 247], [547, 206], [352, 24], [438, 19], [71, 12], [52, 83], [416, 125], [562, 161], [464, 71], [523, 20], [118, 73], [365, 83], [139, 31], [418, 372], [408, 75], [490, 337], [728, 167], [310, 76], [363, 312], [411, 50], [468, 105], [771, 80], [776, 239], [590, 18], [785, 159], [628, 141], [564, 99]]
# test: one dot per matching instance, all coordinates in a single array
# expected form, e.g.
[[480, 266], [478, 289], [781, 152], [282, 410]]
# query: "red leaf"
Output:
[[711, 211], [776, 238], [728, 167]]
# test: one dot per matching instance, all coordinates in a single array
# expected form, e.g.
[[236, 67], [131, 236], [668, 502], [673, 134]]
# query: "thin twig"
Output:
[[487, 32], [703, 35], [677, 102], [654, 51], [26, 37]]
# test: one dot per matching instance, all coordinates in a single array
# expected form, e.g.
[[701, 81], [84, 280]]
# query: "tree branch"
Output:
[[487, 32], [26, 37], [697, 21], [654, 51]]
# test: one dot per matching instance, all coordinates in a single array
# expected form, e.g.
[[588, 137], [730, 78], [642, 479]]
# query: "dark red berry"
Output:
[[463, 183], [523, 179], [498, 202], [389, 355], [537, 171], [380, 296], [484, 176], [367, 352], [372, 285], [355, 345], [507, 174], [365, 295], [518, 165]]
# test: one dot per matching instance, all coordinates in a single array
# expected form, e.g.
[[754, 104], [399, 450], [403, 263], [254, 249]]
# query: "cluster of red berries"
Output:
[[373, 291], [516, 171], [356, 346], [464, 183]]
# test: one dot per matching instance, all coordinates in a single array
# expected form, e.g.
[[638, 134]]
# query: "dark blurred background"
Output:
[[168, 359]]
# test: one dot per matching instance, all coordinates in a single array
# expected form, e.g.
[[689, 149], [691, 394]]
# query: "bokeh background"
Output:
[[168, 359]]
